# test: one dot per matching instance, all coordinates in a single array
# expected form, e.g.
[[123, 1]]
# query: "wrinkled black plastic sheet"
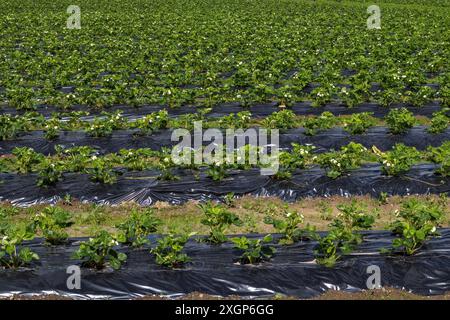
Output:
[[324, 140], [213, 270], [145, 189], [257, 110]]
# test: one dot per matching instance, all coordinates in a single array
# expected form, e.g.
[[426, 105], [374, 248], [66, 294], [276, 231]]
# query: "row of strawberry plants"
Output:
[[415, 223], [284, 96], [105, 169], [398, 120]]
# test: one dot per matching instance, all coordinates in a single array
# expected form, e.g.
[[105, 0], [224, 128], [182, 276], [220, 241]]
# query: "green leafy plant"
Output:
[[104, 126], [12, 252], [254, 250], [439, 122], [325, 121], [441, 155], [300, 157], [21, 98], [168, 251], [152, 122], [11, 126], [325, 210], [236, 120], [398, 160], [284, 119], [217, 171], [166, 166], [322, 95], [229, 200], [52, 221], [338, 162], [139, 159], [400, 120], [50, 172], [101, 170], [6, 212], [76, 159], [98, 252], [288, 226], [421, 96], [135, 229], [383, 198], [417, 221], [358, 123], [351, 97], [218, 219], [343, 235], [26, 159], [52, 128]]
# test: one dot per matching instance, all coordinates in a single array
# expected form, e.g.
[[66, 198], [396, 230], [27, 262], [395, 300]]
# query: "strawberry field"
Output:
[[353, 117]]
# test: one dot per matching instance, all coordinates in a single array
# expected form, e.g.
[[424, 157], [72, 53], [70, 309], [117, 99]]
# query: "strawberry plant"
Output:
[[400, 120], [441, 156], [98, 252], [343, 235], [104, 126], [21, 98], [358, 123], [352, 97], [10, 126], [49, 173], [218, 219], [338, 162], [389, 97], [101, 170], [445, 96], [398, 160], [267, 69], [76, 159], [416, 222], [137, 160], [52, 221], [187, 120], [298, 158], [166, 166], [217, 171], [26, 159], [421, 97], [322, 95], [288, 226], [439, 122], [236, 120], [284, 119], [325, 121], [52, 128], [152, 122], [137, 227], [254, 250], [13, 254], [168, 251]]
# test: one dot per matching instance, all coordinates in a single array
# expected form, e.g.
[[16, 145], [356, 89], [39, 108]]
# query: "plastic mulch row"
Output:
[[324, 141], [213, 270]]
